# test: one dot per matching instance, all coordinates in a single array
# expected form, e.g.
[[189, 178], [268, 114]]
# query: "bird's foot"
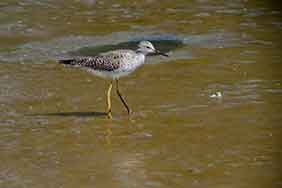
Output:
[[129, 111], [109, 114]]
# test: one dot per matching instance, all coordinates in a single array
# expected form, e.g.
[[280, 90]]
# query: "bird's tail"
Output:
[[66, 61]]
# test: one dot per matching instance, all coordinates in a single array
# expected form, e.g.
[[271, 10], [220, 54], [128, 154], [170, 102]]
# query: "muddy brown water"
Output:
[[53, 131]]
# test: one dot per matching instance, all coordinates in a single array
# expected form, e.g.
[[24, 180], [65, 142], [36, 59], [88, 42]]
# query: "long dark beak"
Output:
[[157, 52]]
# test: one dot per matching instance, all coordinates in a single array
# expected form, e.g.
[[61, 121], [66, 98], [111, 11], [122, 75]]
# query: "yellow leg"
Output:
[[109, 106], [122, 99]]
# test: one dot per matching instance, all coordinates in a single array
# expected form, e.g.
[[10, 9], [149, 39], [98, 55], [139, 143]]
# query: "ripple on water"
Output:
[[246, 92]]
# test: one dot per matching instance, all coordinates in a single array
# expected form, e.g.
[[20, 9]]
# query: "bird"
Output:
[[113, 65]]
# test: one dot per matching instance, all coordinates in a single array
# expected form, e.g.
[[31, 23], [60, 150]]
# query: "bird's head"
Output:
[[147, 47]]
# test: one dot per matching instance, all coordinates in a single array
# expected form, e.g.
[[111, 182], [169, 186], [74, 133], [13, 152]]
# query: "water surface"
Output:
[[53, 130]]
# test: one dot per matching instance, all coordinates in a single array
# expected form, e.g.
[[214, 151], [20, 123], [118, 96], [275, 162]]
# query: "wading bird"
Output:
[[113, 65]]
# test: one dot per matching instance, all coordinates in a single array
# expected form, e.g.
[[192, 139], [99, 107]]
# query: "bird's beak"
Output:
[[157, 52]]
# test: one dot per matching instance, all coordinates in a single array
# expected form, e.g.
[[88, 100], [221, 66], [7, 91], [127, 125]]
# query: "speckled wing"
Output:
[[109, 61]]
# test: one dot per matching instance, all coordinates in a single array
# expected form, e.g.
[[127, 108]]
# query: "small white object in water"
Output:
[[217, 94]]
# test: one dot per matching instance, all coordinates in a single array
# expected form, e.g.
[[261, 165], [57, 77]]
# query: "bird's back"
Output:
[[109, 61]]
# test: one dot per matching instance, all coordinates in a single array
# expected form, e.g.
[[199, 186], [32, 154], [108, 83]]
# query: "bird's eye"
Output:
[[147, 47]]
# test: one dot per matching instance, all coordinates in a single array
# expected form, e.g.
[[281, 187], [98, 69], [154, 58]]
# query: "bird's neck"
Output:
[[141, 57], [139, 51]]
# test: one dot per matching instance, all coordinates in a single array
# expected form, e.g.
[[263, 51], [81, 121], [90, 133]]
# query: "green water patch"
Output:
[[164, 44], [178, 46]]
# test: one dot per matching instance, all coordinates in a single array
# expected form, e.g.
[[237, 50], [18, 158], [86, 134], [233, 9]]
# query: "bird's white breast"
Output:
[[132, 62]]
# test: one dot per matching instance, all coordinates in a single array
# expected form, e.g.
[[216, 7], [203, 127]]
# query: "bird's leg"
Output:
[[109, 110], [121, 98]]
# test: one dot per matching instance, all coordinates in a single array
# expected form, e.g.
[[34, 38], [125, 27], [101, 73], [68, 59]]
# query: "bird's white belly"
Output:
[[109, 74]]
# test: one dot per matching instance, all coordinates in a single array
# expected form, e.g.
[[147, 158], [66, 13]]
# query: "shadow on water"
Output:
[[164, 45], [72, 114]]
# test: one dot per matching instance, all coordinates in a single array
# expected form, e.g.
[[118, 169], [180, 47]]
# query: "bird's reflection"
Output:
[[70, 114]]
